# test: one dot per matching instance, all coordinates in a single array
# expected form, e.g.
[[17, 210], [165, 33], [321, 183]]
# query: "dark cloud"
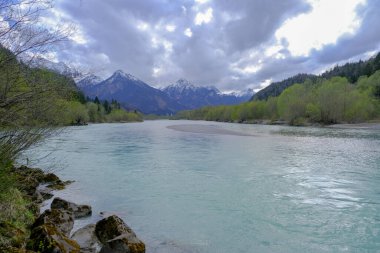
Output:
[[258, 20], [132, 35]]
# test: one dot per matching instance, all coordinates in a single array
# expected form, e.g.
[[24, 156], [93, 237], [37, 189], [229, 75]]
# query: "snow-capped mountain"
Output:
[[244, 94], [90, 80], [192, 96], [131, 92], [58, 67]]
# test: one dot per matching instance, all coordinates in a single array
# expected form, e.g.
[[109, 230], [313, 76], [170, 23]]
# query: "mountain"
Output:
[[352, 71], [244, 95], [131, 93], [58, 67], [192, 97], [89, 81]]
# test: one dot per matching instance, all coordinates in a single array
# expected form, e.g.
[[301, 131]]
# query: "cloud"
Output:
[[203, 17], [319, 27], [229, 44], [366, 39], [188, 32]]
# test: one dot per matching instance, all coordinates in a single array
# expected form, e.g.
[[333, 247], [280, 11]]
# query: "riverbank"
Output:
[[23, 228], [375, 124], [369, 125]]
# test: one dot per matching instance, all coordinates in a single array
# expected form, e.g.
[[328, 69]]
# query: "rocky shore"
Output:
[[51, 231]]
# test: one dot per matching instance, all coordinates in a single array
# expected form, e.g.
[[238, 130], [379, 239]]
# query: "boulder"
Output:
[[37, 197], [59, 184], [40, 196], [87, 239], [27, 172], [48, 239], [46, 194], [79, 211], [117, 237], [50, 177], [63, 220], [28, 185]]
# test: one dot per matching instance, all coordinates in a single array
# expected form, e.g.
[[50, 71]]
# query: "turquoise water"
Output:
[[270, 189]]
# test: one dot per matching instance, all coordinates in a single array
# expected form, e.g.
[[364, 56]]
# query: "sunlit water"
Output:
[[271, 189]]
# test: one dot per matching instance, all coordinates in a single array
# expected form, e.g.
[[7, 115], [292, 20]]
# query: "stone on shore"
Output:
[[87, 239], [50, 177], [63, 220], [48, 239], [117, 237], [79, 211], [59, 184], [50, 233]]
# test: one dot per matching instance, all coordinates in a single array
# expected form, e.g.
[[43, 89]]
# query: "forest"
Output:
[[314, 101], [351, 70]]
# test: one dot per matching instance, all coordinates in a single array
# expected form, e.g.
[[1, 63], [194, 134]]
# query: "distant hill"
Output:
[[276, 88], [192, 97], [351, 71]]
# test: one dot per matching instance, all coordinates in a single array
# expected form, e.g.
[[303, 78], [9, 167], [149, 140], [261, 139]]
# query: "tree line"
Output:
[[323, 101], [352, 71]]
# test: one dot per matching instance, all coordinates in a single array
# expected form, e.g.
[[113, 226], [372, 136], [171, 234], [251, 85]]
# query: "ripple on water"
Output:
[[283, 189]]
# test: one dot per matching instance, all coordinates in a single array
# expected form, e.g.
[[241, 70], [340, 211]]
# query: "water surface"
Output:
[[227, 187]]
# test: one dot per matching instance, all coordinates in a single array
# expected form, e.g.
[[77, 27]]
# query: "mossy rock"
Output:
[[80, 211], [50, 177], [63, 220], [59, 184], [29, 179], [48, 239], [123, 244], [27, 172], [115, 235]]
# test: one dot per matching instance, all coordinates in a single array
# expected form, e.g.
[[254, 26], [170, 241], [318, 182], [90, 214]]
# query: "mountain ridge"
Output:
[[132, 92]]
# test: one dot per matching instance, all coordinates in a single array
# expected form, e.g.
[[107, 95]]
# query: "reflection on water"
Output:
[[266, 189]]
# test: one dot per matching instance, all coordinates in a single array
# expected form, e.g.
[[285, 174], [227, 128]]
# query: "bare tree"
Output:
[[24, 96], [21, 30]]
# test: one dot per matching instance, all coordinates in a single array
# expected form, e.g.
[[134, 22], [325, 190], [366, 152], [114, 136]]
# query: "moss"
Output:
[[15, 218], [47, 238], [59, 185], [50, 177]]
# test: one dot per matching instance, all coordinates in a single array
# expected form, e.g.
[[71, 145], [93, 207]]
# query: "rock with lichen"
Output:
[[79, 211], [116, 236], [63, 220], [48, 238]]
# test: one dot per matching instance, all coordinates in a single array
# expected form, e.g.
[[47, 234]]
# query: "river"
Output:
[[193, 186]]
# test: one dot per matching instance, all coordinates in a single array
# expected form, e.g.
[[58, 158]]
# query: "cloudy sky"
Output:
[[232, 44]]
